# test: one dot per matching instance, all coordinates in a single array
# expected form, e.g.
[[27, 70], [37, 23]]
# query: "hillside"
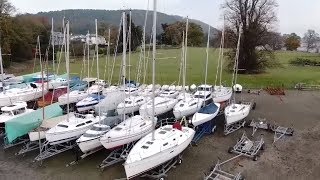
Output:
[[83, 20]]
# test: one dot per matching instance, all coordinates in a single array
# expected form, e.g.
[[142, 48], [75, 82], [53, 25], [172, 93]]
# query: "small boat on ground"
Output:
[[162, 105], [52, 96], [131, 104], [205, 114]]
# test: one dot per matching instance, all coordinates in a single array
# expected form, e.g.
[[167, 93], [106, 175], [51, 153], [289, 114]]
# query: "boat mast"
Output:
[[97, 52], [42, 83], [222, 50], [88, 58], [144, 43], [129, 59], [236, 63], [2, 75], [207, 59], [68, 68], [52, 43], [124, 52], [185, 60], [154, 60], [106, 66]]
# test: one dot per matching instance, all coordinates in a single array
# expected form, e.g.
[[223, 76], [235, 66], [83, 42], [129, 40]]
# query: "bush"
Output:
[[304, 62]]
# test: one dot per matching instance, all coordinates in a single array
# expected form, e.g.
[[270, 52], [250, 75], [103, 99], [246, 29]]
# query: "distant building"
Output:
[[303, 48], [57, 38]]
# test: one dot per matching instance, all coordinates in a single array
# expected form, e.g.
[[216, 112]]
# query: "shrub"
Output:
[[304, 62]]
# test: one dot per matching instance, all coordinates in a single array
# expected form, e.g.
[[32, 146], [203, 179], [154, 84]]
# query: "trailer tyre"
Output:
[[230, 150], [255, 158], [179, 161], [254, 106], [161, 178]]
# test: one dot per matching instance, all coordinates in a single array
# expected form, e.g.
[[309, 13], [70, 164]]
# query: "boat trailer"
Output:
[[117, 156], [248, 148], [279, 131], [18, 141], [202, 130], [161, 171], [218, 174], [48, 150], [28, 147]]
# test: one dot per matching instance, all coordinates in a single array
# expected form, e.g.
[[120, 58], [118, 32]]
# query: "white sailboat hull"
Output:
[[74, 97], [140, 167], [234, 115], [9, 98], [89, 145], [35, 135], [126, 139], [146, 109], [201, 118], [127, 109], [222, 94]]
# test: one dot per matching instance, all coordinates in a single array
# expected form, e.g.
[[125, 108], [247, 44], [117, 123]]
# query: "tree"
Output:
[[255, 18], [311, 38], [292, 41], [274, 40], [173, 33], [136, 35]]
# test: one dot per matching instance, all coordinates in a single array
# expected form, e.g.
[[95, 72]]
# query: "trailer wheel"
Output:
[[255, 158], [290, 131], [161, 178], [179, 161], [230, 150], [254, 106], [263, 147]]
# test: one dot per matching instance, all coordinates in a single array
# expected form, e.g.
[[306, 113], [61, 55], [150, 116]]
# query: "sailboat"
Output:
[[160, 145], [220, 93], [75, 124], [188, 104], [17, 109], [208, 111], [236, 112], [131, 129], [132, 103]]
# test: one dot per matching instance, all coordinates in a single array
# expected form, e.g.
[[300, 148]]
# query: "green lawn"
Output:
[[167, 69]]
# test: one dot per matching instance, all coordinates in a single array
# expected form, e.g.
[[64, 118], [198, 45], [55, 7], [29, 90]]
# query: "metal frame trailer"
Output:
[[48, 150], [279, 131], [218, 174], [161, 171], [116, 156], [18, 141], [248, 148], [204, 129]]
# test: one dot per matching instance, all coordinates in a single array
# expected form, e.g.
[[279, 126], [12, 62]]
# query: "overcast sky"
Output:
[[294, 15]]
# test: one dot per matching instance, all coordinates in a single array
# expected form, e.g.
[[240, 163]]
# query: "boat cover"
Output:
[[20, 126], [209, 109]]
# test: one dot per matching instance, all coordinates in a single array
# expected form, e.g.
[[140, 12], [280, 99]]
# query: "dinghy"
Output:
[[221, 94]]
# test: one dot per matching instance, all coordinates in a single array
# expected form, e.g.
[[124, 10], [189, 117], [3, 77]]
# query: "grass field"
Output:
[[167, 69]]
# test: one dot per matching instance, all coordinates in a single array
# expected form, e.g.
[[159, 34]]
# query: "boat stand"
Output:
[[161, 171], [260, 124], [48, 150], [18, 141], [202, 130], [28, 147], [280, 131], [248, 148], [218, 174], [83, 156], [116, 156], [228, 129]]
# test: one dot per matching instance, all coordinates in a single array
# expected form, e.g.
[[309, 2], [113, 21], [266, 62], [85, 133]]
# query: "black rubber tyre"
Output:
[[254, 106], [255, 158], [230, 150]]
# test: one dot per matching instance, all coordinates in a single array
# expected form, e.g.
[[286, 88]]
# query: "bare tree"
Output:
[[311, 39], [256, 18]]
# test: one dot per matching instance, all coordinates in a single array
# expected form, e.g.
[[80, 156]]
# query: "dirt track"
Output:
[[296, 157]]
